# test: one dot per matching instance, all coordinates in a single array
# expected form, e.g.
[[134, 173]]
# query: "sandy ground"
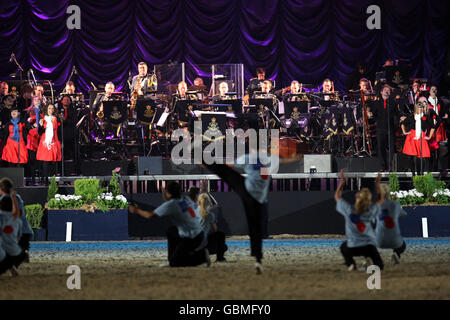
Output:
[[303, 269]]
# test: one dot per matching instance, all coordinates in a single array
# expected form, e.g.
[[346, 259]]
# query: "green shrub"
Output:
[[88, 189], [34, 214], [394, 184], [114, 186], [428, 185], [52, 189]]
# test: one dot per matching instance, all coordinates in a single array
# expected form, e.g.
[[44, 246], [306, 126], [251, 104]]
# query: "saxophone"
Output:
[[135, 93], [152, 82]]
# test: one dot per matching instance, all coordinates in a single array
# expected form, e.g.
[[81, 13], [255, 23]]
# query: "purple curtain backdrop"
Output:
[[292, 39]]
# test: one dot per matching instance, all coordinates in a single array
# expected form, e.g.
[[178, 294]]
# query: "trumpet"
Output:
[[100, 114]]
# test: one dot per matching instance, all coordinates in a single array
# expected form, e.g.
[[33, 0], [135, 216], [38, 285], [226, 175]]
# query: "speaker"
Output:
[[149, 165], [15, 174], [317, 163]]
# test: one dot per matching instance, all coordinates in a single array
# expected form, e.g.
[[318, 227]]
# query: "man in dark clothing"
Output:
[[386, 117]]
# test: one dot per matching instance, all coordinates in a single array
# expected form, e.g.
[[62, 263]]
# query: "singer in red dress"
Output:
[[14, 134], [418, 130], [49, 149]]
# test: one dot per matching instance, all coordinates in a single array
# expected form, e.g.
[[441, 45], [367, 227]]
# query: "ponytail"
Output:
[[363, 201], [204, 204]]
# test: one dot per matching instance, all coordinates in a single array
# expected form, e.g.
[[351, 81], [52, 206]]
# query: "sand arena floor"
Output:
[[307, 268]]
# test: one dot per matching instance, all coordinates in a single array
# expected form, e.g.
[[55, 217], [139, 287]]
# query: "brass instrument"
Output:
[[134, 96], [100, 114], [152, 82]]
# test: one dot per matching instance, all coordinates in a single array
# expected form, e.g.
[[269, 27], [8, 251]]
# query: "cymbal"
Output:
[[197, 88]]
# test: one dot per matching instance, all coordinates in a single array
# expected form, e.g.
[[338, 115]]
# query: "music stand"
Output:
[[264, 102], [214, 125], [295, 106], [115, 112], [236, 105], [182, 108]]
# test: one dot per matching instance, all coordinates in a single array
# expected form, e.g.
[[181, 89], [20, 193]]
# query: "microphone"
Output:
[[11, 59], [74, 70], [93, 86]]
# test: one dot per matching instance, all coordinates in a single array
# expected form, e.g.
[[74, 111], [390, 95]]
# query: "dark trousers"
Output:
[[401, 249], [216, 244], [254, 210], [24, 241], [368, 251], [32, 166], [414, 163], [49, 169], [182, 251], [384, 140], [11, 261]]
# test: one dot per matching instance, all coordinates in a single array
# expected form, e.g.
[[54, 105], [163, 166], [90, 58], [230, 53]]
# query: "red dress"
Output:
[[11, 149], [52, 150], [412, 146], [33, 135]]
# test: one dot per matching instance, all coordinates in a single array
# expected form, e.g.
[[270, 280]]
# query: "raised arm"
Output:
[[338, 193], [378, 186], [146, 214]]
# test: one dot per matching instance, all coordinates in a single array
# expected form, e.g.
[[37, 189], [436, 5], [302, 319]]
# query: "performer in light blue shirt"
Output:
[[387, 232], [358, 226]]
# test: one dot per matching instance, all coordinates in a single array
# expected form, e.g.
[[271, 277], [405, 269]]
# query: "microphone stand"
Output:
[[62, 142], [389, 133], [18, 66]]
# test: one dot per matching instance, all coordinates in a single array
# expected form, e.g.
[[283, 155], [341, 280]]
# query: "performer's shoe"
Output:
[[14, 272], [395, 258], [259, 268]]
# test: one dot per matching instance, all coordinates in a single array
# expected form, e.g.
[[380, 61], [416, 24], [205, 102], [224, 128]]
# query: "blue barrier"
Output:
[[438, 218], [110, 225]]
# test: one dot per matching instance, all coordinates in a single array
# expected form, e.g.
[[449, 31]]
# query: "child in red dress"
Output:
[[418, 130], [49, 149], [15, 150]]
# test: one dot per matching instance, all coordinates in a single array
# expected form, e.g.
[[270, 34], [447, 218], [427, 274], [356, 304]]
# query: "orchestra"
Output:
[[38, 132]]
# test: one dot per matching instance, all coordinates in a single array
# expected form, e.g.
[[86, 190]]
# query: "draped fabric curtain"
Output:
[[307, 40]]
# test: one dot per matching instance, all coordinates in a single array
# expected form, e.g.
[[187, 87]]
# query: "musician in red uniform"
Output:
[[15, 150], [49, 149]]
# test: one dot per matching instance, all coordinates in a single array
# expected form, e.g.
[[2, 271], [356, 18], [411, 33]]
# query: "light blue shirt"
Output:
[[358, 228], [185, 214], [256, 184], [207, 221], [11, 231], [388, 231], [26, 228]]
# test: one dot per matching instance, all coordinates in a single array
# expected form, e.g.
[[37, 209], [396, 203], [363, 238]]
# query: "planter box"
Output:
[[438, 221], [110, 225], [39, 235]]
